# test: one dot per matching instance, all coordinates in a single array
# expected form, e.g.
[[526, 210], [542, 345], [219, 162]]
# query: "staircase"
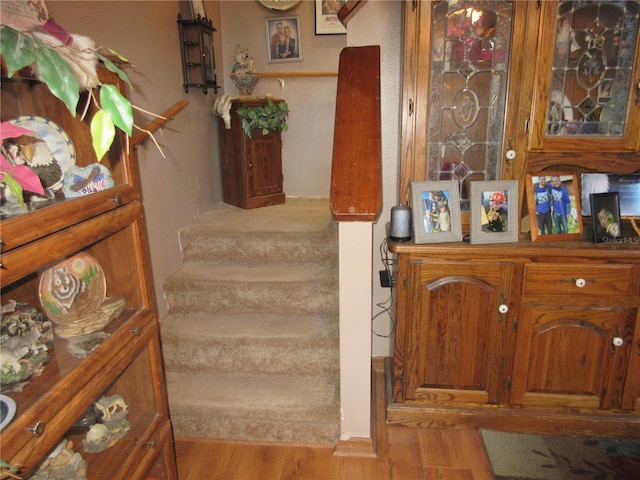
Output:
[[251, 338]]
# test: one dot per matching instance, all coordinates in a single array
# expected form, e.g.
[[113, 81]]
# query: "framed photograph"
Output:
[[436, 212], [554, 206], [494, 211], [283, 39], [326, 15], [605, 218]]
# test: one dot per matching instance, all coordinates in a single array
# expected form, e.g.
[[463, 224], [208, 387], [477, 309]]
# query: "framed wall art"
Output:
[[494, 212], [553, 200], [605, 217], [326, 16], [436, 212], [283, 39]]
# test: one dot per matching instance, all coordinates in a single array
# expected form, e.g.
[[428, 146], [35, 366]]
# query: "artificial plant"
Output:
[[272, 116]]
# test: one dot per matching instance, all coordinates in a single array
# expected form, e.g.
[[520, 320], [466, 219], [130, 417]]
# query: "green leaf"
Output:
[[57, 74], [14, 186], [17, 49], [103, 132], [118, 108], [114, 68], [122, 58]]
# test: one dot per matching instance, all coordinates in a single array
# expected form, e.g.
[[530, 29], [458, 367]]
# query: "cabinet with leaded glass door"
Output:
[[585, 109]]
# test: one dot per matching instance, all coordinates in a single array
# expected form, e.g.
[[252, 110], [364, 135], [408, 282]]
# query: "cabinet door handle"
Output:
[[151, 443], [117, 200], [136, 331], [38, 429]]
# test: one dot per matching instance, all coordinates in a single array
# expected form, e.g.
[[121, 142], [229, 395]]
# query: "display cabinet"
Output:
[[125, 362], [251, 167]]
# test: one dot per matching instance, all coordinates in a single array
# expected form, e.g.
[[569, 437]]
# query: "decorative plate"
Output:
[[56, 139], [279, 5], [7, 410], [73, 289]]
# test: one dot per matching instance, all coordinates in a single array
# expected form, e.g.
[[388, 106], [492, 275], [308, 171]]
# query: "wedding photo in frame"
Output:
[[605, 217], [553, 200], [284, 40], [494, 212], [326, 17], [436, 212]]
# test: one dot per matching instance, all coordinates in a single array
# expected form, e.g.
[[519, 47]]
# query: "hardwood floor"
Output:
[[403, 453]]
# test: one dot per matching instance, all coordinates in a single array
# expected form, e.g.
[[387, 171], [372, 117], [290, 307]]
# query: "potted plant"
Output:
[[270, 117]]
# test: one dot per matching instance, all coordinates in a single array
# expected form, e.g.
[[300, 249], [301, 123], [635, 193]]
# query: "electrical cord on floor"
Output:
[[387, 305]]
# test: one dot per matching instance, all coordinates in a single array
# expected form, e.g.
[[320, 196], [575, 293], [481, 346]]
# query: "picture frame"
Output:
[[284, 39], [494, 211], [605, 218], [326, 17], [626, 185], [436, 212], [552, 210]]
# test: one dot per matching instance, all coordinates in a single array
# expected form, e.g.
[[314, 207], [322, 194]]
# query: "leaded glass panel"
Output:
[[470, 46], [591, 79]]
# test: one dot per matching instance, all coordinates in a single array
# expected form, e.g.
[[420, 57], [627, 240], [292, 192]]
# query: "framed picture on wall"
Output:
[[283, 39], [436, 212], [553, 200], [326, 15], [494, 212]]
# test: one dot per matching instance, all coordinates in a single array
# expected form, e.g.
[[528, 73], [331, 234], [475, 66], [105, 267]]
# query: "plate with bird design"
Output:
[[50, 152]]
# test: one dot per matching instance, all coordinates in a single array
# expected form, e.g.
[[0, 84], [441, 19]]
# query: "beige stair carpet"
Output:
[[251, 338]]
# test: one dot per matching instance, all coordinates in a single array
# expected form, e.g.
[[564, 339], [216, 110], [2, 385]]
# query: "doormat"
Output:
[[525, 456]]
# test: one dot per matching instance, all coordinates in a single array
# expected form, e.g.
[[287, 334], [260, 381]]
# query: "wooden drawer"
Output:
[[548, 278]]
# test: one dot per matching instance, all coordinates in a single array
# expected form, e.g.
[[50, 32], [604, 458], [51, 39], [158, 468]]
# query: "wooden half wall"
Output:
[[356, 169]]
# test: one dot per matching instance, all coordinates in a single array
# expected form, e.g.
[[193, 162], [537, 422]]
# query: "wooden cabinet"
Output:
[[499, 336], [251, 167], [109, 226]]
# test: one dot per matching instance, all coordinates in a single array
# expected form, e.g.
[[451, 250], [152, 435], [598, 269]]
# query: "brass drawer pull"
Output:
[[136, 331], [38, 429]]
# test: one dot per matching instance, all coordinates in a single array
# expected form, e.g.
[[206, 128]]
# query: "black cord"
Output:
[[387, 305]]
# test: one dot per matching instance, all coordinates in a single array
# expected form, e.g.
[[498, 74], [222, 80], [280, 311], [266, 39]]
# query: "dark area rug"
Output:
[[523, 456]]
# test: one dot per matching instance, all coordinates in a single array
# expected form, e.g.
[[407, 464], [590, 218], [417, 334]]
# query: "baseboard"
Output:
[[365, 446], [356, 447]]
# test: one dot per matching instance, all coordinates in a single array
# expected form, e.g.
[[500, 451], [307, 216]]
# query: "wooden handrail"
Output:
[[141, 135], [356, 169]]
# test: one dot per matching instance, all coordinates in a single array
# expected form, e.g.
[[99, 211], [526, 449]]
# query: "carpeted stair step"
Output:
[[272, 408], [202, 243], [198, 343], [299, 289]]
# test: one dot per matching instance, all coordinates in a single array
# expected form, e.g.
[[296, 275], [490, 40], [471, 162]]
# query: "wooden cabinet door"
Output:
[[455, 332], [264, 164], [567, 357]]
